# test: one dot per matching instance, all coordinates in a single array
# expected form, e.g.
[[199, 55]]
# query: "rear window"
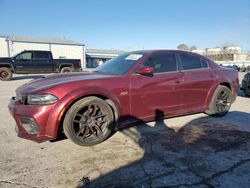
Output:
[[190, 62], [41, 55], [204, 63]]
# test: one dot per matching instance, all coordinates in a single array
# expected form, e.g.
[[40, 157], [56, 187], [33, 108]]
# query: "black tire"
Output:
[[5, 74], [220, 102], [66, 70], [89, 121]]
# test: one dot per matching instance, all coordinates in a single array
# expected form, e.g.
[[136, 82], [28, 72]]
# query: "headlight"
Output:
[[41, 99]]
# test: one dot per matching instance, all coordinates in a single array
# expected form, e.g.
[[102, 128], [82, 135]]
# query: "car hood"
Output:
[[58, 79], [5, 59]]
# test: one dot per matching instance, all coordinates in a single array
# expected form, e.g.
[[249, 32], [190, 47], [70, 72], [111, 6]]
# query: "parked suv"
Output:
[[135, 86], [33, 62], [245, 85]]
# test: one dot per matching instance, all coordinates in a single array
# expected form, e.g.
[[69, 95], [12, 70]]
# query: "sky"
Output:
[[131, 24]]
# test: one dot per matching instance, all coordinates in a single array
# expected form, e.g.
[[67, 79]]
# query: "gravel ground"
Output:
[[189, 151]]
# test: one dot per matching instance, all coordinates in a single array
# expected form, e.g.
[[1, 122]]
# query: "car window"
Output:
[[190, 62], [41, 55], [25, 56], [164, 62], [204, 63]]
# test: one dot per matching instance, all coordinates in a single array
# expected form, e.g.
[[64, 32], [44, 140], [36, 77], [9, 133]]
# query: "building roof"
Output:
[[103, 51], [40, 40]]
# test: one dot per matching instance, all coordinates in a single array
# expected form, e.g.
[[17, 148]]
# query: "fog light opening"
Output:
[[30, 125]]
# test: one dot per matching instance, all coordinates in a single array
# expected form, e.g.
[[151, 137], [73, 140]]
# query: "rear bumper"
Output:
[[40, 115]]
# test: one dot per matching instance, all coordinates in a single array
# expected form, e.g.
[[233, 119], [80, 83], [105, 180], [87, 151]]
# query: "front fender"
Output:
[[8, 65], [64, 103]]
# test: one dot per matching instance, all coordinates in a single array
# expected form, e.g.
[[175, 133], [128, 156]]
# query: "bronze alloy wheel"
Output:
[[89, 121], [220, 102], [223, 101]]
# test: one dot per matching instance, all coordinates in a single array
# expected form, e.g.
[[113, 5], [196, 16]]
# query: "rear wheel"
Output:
[[5, 74], [89, 121], [220, 102], [66, 70]]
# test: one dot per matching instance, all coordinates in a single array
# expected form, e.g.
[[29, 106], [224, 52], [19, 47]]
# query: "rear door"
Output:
[[156, 95], [199, 78], [42, 62]]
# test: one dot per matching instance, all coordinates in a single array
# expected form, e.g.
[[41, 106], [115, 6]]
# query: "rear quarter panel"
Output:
[[71, 62], [230, 76]]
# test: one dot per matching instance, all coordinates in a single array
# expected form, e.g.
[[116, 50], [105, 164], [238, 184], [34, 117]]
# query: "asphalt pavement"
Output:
[[188, 151]]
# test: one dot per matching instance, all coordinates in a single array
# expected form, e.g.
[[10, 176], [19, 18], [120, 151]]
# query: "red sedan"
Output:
[[141, 85]]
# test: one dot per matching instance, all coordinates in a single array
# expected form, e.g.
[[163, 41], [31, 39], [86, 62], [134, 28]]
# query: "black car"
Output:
[[245, 86], [32, 62]]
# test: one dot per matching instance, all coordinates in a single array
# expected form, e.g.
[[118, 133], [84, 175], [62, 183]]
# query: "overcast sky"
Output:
[[131, 24]]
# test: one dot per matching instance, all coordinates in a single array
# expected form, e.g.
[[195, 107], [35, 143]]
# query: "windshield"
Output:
[[120, 64], [15, 55]]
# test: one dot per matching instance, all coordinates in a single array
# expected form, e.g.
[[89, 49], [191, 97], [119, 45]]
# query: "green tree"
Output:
[[193, 48], [183, 47]]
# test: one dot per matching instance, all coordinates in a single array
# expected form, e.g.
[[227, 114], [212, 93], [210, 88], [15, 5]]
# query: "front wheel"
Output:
[[5, 74], [220, 102], [89, 121]]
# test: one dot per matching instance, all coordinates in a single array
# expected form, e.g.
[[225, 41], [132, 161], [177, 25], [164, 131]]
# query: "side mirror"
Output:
[[146, 70]]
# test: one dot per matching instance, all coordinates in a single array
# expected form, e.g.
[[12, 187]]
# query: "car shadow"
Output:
[[206, 152], [24, 77]]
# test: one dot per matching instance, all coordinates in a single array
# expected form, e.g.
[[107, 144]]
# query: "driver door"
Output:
[[23, 63], [158, 93]]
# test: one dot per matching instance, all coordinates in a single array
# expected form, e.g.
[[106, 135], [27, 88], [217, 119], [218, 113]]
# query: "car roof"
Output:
[[36, 51], [153, 51], [173, 51]]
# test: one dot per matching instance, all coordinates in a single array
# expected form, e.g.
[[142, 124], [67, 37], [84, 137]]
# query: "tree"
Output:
[[183, 47], [193, 48]]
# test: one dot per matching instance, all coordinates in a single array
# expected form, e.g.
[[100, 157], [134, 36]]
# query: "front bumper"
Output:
[[40, 114]]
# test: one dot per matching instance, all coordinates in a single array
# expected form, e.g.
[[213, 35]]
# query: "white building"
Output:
[[240, 57], [232, 49], [60, 48], [199, 51], [213, 51], [95, 57]]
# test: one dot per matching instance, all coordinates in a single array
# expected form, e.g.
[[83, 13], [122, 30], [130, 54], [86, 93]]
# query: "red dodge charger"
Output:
[[135, 86]]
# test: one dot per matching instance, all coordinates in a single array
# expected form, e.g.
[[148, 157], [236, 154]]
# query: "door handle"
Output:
[[177, 81], [211, 76]]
